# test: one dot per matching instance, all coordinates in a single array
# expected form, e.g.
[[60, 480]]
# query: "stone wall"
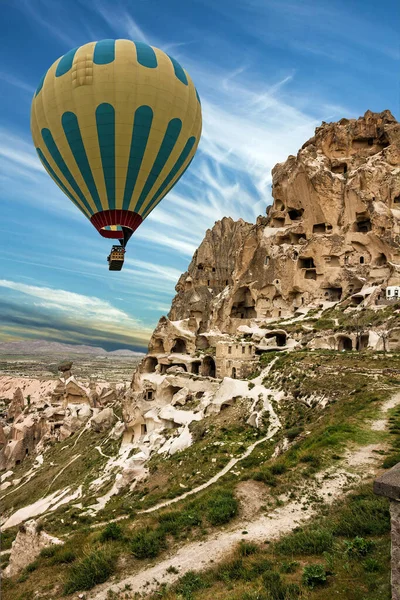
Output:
[[235, 360], [388, 485]]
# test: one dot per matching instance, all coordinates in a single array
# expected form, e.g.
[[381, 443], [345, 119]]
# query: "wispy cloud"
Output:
[[74, 312], [16, 82]]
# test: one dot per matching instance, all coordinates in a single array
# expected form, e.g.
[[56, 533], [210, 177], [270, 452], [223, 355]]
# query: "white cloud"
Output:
[[85, 309]]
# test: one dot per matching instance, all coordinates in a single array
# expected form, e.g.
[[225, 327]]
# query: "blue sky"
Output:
[[267, 71]]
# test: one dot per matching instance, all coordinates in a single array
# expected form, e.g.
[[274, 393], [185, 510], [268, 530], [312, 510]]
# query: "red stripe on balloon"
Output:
[[124, 218]]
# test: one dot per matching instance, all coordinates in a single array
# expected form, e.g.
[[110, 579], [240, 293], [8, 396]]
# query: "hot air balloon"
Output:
[[116, 123]]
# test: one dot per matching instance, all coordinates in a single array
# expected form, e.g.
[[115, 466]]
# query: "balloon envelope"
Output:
[[116, 123]]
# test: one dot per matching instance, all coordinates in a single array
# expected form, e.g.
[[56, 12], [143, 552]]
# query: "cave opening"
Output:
[[243, 306], [306, 262], [208, 367], [295, 214], [179, 346]]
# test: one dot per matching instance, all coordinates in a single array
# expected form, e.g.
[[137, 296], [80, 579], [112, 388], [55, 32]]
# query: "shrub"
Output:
[[189, 583], [277, 589], [314, 575], [310, 541], [48, 552], [391, 461], [112, 531], [222, 507], [371, 565], [247, 548], [174, 521], [365, 514], [231, 570], [288, 567], [278, 468], [147, 543], [63, 557], [293, 433], [310, 458], [31, 567], [358, 547], [94, 568], [258, 566], [172, 570], [266, 476]]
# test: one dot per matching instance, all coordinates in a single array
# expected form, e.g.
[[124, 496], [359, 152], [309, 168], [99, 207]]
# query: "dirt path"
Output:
[[329, 485], [214, 479]]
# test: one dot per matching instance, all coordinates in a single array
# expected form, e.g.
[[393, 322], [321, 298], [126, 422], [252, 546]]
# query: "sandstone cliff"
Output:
[[333, 227]]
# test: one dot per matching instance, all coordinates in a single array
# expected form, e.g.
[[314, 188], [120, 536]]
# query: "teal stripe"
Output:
[[58, 159], [104, 52], [166, 148], [41, 82], [140, 135], [179, 72], [175, 169], [65, 63], [145, 55], [73, 134], [105, 120], [58, 180], [197, 96]]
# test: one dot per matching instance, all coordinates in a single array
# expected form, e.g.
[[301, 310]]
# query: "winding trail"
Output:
[[214, 479], [328, 485]]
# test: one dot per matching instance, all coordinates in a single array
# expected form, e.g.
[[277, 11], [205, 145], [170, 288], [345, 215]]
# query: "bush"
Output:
[[288, 567], [94, 568], [63, 557], [266, 476], [371, 565], [147, 543], [48, 552], [310, 541], [310, 458], [189, 583], [391, 461], [365, 514], [222, 507], [247, 548], [314, 575], [258, 566], [231, 570], [293, 433], [174, 522], [358, 547], [277, 589], [112, 531], [278, 468], [31, 567]]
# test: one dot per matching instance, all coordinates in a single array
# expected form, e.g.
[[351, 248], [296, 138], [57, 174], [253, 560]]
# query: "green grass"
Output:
[[95, 567], [308, 541], [147, 543]]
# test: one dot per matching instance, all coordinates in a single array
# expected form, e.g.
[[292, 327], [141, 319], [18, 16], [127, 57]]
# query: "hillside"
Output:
[[31, 347], [239, 464]]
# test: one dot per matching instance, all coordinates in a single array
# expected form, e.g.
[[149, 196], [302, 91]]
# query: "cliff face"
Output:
[[333, 228]]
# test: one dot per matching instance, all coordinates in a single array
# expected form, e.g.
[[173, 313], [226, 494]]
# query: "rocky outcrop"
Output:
[[26, 547], [333, 226], [16, 406], [330, 237], [103, 421]]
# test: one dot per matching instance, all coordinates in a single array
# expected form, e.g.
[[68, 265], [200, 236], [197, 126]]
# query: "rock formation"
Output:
[[26, 547], [55, 417], [330, 238], [334, 225], [16, 406]]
